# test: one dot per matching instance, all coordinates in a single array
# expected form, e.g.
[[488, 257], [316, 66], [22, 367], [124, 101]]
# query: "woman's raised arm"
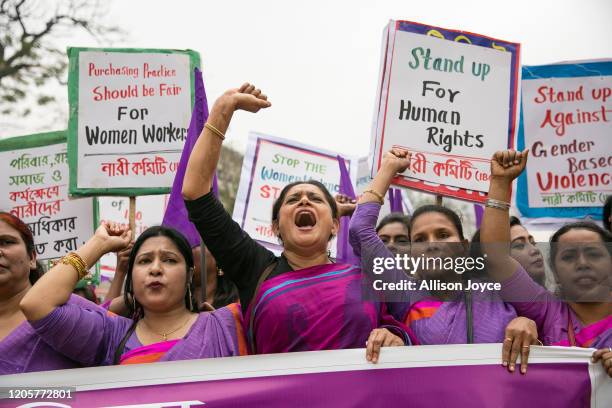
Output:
[[205, 155], [495, 229], [53, 289]]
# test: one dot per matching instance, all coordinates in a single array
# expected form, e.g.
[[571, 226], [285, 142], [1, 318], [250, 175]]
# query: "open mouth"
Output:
[[539, 263], [305, 219]]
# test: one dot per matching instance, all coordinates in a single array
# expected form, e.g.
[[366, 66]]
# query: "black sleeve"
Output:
[[241, 258]]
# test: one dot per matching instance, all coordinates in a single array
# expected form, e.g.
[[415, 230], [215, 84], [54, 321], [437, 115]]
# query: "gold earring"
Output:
[[190, 298]]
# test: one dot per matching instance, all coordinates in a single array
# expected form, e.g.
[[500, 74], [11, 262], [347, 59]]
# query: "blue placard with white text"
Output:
[[566, 123]]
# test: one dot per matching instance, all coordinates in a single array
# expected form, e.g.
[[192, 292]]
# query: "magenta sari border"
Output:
[[161, 347], [589, 333]]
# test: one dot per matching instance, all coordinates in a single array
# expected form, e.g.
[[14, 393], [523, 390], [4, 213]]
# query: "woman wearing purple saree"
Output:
[[159, 293], [300, 301], [21, 349], [580, 259], [436, 316]]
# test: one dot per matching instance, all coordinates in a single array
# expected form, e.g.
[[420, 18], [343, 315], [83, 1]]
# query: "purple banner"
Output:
[[418, 376]]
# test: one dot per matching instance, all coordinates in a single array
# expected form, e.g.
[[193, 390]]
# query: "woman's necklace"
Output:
[[165, 335]]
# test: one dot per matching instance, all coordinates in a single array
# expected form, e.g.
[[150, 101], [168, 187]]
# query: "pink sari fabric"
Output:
[[317, 308]]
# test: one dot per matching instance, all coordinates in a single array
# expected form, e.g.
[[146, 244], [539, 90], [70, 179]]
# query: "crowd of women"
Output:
[[303, 300]]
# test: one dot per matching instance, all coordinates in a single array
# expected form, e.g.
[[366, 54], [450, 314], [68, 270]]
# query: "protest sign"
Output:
[[421, 376], [34, 178], [566, 125], [129, 113], [449, 97], [270, 163]]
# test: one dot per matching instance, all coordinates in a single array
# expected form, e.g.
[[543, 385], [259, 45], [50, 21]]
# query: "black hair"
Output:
[[36, 274], [607, 209], [393, 218], [328, 197], [514, 221], [450, 214], [605, 236], [226, 292], [135, 309]]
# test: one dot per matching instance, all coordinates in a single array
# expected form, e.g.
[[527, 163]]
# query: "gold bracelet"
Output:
[[77, 263], [381, 199], [215, 131], [74, 260]]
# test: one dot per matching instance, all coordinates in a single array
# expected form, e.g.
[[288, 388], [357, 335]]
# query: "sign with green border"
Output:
[[129, 114], [35, 173]]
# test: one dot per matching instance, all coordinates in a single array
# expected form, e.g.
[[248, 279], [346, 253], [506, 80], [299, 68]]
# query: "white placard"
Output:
[[269, 164], [130, 112], [35, 182], [448, 97], [568, 128]]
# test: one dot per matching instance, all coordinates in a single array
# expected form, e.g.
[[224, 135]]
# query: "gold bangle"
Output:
[[215, 131], [77, 263], [376, 194], [74, 260]]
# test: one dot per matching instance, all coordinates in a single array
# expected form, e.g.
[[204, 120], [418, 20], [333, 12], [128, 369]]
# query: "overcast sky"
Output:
[[318, 61]]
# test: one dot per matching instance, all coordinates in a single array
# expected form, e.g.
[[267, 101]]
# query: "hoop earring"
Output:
[[190, 297]]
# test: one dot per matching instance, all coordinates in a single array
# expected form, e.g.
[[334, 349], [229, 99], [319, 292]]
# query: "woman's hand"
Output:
[[380, 338], [508, 164], [123, 258], [605, 356], [112, 236], [397, 160], [520, 333], [346, 205], [247, 98]]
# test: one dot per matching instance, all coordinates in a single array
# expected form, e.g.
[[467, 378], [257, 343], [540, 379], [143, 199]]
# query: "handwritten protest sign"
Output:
[[129, 114], [450, 98], [34, 180], [270, 163], [149, 212], [566, 124]]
